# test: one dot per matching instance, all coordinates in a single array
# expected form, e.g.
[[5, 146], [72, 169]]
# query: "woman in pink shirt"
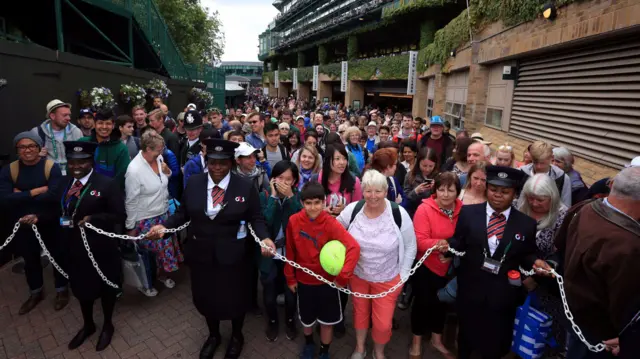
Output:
[[434, 220], [340, 186]]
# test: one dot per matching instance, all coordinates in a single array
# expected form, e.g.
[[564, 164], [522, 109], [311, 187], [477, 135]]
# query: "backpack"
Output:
[[14, 168], [395, 209]]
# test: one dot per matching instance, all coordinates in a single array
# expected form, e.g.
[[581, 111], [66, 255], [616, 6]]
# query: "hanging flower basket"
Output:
[[84, 98], [102, 98], [157, 88], [132, 95], [202, 98]]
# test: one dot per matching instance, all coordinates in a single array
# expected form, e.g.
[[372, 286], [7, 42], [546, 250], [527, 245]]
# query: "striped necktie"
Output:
[[496, 225], [74, 190], [217, 195]]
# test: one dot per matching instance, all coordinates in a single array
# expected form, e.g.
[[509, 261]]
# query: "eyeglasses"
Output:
[[27, 147], [253, 122]]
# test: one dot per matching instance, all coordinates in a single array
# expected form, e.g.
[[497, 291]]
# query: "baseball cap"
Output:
[[244, 149], [192, 106], [436, 120], [372, 123], [85, 111], [635, 162], [54, 104]]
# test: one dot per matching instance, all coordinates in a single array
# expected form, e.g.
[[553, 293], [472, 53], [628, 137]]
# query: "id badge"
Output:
[[66, 222], [491, 265]]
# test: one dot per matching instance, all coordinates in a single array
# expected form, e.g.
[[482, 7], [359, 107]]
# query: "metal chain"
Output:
[[10, 238], [46, 252], [93, 261], [131, 238]]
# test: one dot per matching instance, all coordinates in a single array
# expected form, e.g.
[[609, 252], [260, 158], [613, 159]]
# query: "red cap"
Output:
[[513, 274]]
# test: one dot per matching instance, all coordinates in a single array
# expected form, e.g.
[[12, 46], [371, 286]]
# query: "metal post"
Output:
[[59, 33], [131, 40]]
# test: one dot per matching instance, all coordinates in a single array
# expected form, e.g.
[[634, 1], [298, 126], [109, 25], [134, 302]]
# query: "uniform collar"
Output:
[[84, 179], [223, 184], [490, 212]]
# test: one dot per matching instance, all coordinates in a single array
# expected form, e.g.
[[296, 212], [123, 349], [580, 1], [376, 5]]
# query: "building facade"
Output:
[[512, 74]]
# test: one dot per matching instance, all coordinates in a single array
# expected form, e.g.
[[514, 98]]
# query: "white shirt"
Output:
[[493, 241], [212, 211], [205, 169], [192, 142], [146, 192], [84, 179]]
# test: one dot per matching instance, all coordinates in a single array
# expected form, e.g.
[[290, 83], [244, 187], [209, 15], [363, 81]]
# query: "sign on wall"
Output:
[[295, 79], [276, 79], [343, 76], [314, 86], [265, 91], [412, 78]]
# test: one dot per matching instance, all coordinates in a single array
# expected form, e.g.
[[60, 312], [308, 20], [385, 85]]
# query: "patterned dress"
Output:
[[167, 250]]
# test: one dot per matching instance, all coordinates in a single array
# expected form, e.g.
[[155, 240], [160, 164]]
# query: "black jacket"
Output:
[[447, 146]]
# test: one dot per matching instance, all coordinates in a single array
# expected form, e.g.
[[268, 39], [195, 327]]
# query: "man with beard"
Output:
[[111, 156], [85, 121]]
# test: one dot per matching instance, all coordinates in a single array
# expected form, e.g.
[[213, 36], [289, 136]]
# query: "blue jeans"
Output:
[[269, 280]]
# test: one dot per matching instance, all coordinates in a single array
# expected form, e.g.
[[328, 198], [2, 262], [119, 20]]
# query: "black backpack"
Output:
[[395, 209]]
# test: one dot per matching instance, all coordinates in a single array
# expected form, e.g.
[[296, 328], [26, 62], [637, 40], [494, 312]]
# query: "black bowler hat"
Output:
[[192, 120], [218, 149], [504, 176], [79, 149]]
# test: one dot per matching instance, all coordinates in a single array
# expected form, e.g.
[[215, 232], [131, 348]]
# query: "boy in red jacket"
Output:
[[307, 233]]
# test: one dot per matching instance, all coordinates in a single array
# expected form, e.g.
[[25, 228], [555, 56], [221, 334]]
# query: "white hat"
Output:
[[244, 150], [192, 106], [283, 125], [372, 123], [54, 104], [477, 136], [635, 162]]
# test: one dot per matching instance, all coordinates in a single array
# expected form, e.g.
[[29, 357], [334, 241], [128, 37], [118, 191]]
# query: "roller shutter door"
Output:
[[586, 100]]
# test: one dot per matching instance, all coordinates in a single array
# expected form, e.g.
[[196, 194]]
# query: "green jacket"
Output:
[[353, 165], [277, 213], [111, 158]]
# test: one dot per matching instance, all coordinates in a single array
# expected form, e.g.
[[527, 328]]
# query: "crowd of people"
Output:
[[295, 175]]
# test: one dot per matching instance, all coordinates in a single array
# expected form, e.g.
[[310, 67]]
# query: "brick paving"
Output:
[[167, 326]]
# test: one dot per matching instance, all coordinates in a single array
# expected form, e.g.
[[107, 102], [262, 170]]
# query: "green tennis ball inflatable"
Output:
[[332, 257]]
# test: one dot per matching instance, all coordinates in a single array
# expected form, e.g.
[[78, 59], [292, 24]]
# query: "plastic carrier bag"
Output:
[[531, 330]]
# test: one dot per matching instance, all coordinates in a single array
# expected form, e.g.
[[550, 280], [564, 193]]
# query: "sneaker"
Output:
[[308, 351], [280, 299], [272, 331], [168, 282], [291, 330], [149, 292]]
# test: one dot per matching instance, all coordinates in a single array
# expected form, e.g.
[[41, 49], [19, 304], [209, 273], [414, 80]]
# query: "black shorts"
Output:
[[319, 303]]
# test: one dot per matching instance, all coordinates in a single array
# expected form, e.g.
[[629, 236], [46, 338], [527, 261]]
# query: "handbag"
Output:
[[448, 293], [531, 330], [139, 268]]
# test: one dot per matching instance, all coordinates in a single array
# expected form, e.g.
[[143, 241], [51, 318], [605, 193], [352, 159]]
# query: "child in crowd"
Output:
[[307, 232]]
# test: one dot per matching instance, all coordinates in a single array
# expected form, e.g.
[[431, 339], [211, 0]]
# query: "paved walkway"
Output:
[[167, 326]]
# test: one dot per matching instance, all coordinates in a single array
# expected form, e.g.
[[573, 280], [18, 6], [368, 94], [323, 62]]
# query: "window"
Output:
[[454, 113], [429, 107], [494, 117]]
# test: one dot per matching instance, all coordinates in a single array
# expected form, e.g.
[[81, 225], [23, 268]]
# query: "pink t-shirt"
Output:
[[347, 197]]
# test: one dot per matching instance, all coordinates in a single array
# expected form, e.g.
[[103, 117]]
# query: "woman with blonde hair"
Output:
[[309, 163], [505, 157], [147, 204], [475, 190]]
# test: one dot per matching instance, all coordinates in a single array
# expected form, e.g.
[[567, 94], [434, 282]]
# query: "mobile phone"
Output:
[[428, 181]]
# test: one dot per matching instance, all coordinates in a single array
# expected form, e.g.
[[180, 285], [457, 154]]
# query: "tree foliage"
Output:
[[197, 33]]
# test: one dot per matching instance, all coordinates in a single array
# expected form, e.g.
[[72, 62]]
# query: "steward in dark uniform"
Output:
[[87, 196], [497, 238], [190, 144], [220, 250]]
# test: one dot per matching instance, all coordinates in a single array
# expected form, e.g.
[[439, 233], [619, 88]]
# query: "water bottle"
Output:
[[242, 231]]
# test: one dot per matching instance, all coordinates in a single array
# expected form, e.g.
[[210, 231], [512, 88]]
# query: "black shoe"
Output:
[[235, 348], [339, 330], [209, 347], [82, 335], [105, 338], [31, 303], [272, 331], [291, 330]]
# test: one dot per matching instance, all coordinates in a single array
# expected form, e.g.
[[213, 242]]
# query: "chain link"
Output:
[[594, 348], [46, 252], [10, 238]]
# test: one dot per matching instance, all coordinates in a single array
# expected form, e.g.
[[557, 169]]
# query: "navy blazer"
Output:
[[476, 286]]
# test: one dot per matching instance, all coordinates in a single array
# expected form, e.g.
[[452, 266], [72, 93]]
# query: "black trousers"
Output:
[[428, 313], [270, 283], [29, 248]]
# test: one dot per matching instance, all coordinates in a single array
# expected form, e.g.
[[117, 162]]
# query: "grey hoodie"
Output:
[[555, 173], [56, 153]]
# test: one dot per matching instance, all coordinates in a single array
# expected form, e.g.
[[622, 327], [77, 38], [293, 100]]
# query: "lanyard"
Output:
[[65, 204], [53, 140], [504, 255]]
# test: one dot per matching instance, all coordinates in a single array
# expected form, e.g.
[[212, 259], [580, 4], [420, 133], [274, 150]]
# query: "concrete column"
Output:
[[284, 89], [304, 91], [324, 90], [273, 92], [440, 94], [355, 92], [476, 98], [419, 107]]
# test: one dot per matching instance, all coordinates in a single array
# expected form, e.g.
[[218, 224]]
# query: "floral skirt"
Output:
[[167, 250]]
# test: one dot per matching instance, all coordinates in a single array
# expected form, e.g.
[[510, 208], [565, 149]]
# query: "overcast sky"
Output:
[[243, 21]]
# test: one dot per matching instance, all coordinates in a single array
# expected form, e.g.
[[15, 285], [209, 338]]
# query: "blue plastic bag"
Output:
[[531, 330]]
